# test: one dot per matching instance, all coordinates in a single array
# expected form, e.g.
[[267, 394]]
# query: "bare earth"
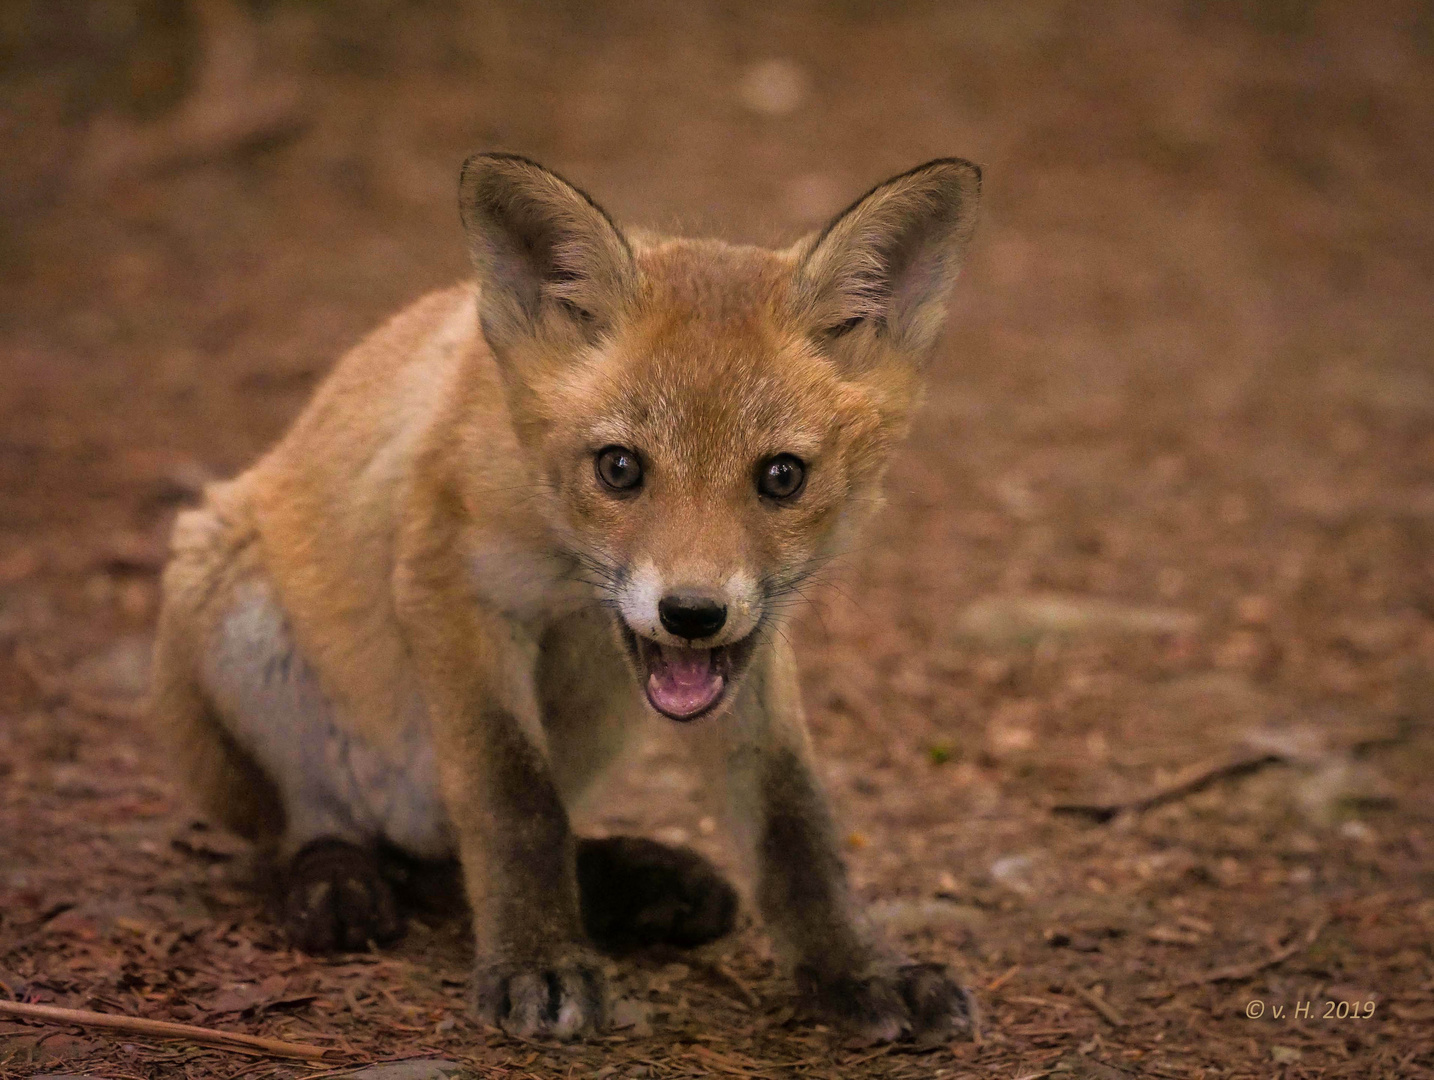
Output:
[[1170, 507]]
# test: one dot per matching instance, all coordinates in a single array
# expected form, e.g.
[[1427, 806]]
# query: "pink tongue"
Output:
[[683, 681]]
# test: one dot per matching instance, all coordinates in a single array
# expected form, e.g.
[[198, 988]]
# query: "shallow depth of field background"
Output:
[[1170, 506]]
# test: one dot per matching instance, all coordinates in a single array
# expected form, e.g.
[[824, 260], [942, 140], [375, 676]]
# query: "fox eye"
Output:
[[781, 477], [619, 468], [841, 329]]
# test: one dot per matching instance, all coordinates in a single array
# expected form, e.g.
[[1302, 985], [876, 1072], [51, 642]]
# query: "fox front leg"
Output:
[[534, 973], [781, 817]]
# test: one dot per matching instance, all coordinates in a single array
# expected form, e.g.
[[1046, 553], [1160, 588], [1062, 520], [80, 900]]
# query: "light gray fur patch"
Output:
[[332, 783]]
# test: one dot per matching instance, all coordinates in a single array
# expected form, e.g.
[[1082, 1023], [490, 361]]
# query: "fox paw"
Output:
[[559, 1000], [919, 1001], [637, 893], [336, 899]]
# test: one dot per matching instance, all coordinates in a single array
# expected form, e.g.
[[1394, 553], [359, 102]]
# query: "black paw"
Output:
[[907, 1001], [637, 893], [336, 899], [564, 999]]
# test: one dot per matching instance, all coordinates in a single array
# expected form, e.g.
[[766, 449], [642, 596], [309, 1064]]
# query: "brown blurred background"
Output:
[[1170, 507]]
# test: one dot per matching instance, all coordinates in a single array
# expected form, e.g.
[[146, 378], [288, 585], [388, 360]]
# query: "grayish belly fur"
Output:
[[332, 782]]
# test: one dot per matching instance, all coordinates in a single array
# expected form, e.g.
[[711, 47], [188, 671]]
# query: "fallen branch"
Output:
[[137, 1025], [722, 1063], [235, 106], [1241, 972], [1100, 1005], [1099, 1070], [718, 972], [1192, 780], [24, 941], [1005, 977], [56, 689]]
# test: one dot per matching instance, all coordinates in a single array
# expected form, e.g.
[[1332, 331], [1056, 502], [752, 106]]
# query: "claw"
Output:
[[564, 1000], [904, 1001]]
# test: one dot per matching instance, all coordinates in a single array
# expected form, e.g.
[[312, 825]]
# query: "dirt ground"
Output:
[[1167, 518]]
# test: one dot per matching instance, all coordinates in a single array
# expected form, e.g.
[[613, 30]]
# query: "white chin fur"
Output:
[[638, 602]]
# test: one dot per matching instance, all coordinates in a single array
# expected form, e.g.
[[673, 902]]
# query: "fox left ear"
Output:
[[889, 260], [545, 253]]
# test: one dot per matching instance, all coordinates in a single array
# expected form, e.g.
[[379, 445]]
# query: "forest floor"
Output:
[[1162, 540]]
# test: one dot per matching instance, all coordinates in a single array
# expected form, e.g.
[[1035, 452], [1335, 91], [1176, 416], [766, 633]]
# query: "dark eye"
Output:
[[781, 477], [619, 468]]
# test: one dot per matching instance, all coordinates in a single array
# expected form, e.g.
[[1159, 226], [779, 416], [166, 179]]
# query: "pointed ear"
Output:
[[547, 256], [888, 261]]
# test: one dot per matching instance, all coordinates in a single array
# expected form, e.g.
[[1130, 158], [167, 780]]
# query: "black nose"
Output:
[[691, 617]]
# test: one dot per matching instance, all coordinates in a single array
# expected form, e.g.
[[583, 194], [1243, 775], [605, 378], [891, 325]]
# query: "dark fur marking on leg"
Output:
[[803, 885]]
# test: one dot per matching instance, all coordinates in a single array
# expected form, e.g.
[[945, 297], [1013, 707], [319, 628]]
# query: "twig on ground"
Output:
[[235, 106], [718, 972], [869, 1057], [56, 689], [1194, 779], [1002, 979], [38, 932], [1100, 1005], [714, 1059], [1240, 972], [1099, 1070], [138, 1025]]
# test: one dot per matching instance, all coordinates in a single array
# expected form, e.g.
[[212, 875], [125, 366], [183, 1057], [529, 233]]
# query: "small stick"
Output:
[[138, 1025], [1190, 782], [1100, 1005], [720, 973], [1241, 972], [715, 1060], [55, 688], [1002, 979], [24, 941], [868, 1057]]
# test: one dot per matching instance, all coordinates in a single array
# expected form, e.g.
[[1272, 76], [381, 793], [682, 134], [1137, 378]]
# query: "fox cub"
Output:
[[522, 517]]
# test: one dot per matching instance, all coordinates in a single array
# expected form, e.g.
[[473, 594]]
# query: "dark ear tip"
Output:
[[499, 156], [482, 171], [966, 173], [475, 166]]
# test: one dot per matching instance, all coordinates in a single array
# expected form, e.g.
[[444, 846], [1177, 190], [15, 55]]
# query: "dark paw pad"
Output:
[[336, 899], [561, 1000], [637, 893], [909, 1001]]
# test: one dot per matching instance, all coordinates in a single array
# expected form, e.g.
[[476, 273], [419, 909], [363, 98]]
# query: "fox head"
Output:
[[707, 424]]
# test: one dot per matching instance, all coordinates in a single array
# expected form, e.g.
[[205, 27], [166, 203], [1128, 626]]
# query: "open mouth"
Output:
[[682, 683]]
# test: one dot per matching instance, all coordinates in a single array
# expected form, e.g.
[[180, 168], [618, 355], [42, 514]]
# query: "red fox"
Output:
[[521, 518]]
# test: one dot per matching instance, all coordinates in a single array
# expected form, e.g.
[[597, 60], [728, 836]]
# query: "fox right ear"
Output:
[[888, 261], [546, 254]]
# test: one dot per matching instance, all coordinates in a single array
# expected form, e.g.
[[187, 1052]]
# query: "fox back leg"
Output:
[[637, 893], [262, 749], [226, 779]]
